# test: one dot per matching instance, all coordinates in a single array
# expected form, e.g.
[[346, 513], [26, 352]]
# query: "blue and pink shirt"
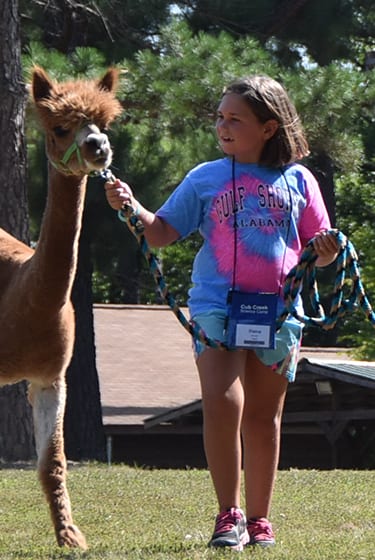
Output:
[[254, 221]]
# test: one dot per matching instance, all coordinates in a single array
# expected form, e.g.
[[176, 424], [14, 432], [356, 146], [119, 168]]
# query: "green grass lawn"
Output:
[[136, 514]]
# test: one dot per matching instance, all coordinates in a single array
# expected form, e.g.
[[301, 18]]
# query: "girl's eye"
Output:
[[60, 131], [221, 117]]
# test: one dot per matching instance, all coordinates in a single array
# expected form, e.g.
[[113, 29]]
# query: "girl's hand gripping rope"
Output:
[[326, 246], [321, 249], [118, 193], [120, 197]]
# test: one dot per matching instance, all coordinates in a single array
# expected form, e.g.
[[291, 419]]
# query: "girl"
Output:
[[256, 209]]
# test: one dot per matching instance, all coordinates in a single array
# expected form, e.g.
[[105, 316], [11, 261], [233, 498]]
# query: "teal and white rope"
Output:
[[303, 272], [128, 216]]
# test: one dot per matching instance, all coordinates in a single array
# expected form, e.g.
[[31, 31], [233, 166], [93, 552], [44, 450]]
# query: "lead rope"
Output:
[[128, 215], [305, 270]]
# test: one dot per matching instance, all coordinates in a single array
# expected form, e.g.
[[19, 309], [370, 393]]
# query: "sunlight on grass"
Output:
[[134, 514]]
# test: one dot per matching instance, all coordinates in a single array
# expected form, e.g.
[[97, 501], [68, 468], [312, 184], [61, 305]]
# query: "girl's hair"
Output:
[[269, 100]]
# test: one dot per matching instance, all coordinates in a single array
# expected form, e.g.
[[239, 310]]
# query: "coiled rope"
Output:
[[303, 272]]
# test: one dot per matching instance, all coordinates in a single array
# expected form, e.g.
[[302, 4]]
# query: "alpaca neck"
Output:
[[55, 260]]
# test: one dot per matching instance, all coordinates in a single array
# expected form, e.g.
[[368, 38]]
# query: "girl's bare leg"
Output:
[[223, 400], [265, 393]]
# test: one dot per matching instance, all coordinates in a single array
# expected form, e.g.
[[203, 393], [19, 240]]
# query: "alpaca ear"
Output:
[[41, 84], [109, 80]]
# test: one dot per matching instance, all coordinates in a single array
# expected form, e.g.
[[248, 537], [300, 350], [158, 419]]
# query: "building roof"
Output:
[[357, 372], [146, 367], [144, 361]]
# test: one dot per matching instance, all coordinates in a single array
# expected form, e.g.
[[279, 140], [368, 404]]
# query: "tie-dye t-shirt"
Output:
[[276, 214]]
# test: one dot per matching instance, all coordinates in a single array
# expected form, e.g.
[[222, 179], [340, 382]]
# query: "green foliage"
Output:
[[129, 513], [357, 215], [83, 62], [178, 262], [117, 28], [323, 30], [171, 99], [330, 100]]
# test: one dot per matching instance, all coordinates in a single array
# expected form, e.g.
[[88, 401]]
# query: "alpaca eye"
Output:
[[60, 131]]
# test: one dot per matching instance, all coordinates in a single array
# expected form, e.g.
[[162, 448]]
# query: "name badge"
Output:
[[251, 320]]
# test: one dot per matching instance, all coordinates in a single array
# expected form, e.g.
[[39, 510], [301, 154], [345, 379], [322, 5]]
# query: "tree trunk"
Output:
[[16, 431], [323, 170], [83, 426]]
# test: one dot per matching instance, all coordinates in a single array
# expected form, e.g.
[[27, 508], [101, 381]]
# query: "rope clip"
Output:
[[107, 176]]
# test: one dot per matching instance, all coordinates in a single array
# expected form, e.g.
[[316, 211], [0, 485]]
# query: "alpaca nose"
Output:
[[98, 143]]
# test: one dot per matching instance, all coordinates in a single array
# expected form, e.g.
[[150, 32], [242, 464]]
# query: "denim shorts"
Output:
[[283, 359]]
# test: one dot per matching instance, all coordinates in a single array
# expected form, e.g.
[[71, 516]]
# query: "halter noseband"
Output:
[[74, 149]]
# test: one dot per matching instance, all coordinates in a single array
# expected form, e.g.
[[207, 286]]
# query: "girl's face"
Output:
[[239, 131]]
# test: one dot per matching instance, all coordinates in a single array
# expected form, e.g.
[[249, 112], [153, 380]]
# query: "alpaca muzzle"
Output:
[[90, 153], [98, 148]]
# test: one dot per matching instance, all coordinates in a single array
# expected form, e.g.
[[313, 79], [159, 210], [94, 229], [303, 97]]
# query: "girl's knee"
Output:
[[261, 418], [223, 404]]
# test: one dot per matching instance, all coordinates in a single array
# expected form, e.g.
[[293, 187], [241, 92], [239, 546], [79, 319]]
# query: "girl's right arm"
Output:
[[157, 232]]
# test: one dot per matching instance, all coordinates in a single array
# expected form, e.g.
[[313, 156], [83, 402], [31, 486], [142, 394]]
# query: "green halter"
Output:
[[73, 149], [62, 165]]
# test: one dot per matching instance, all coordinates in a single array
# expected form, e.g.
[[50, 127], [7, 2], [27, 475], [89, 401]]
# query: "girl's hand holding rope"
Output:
[[120, 197], [326, 247], [119, 194]]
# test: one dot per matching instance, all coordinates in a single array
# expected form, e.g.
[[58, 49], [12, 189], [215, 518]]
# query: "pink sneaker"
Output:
[[230, 530], [260, 532]]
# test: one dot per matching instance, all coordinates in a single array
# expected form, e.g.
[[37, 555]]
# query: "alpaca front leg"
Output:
[[48, 414]]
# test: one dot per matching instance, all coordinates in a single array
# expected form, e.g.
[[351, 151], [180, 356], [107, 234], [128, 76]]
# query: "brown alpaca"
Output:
[[37, 317]]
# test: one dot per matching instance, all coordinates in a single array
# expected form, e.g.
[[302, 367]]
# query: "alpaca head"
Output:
[[74, 115]]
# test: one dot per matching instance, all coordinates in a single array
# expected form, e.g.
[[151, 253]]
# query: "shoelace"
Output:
[[259, 527], [226, 520]]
